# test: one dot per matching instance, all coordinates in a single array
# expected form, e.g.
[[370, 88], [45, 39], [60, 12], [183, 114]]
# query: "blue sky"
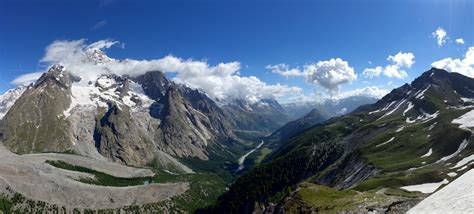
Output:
[[254, 33]]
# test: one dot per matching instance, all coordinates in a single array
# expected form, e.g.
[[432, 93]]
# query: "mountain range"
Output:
[[131, 120], [383, 157], [356, 154]]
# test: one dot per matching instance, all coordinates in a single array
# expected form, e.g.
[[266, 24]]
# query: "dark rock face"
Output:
[[119, 138], [154, 83]]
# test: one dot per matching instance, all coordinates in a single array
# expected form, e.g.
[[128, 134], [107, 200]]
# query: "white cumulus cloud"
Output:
[[330, 74], [285, 70], [440, 35], [370, 91], [459, 41], [402, 59], [220, 82], [395, 69], [463, 66], [372, 72]]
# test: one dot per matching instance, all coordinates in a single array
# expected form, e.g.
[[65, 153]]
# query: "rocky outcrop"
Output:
[[348, 172]]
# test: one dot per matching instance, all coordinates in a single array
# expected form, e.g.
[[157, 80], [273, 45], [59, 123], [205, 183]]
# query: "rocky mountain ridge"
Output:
[[404, 147], [131, 120]]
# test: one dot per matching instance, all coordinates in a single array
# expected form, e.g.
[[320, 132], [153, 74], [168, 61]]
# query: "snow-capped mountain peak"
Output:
[[9, 98], [108, 89], [97, 56]]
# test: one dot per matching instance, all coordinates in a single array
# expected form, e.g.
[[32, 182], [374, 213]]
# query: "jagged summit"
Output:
[[97, 56]]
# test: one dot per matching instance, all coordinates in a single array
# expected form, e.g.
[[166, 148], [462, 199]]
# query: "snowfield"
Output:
[[464, 161], [425, 188], [466, 121], [456, 197], [92, 95]]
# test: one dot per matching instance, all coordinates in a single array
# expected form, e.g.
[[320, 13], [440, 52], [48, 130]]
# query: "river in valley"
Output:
[[242, 159]]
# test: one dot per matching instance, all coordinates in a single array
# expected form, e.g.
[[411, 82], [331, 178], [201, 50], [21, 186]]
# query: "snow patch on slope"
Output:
[[428, 153], [388, 141], [466, 121], [465, 99], [425, 188], [410, 106], [464, 161], [420, 95], [456, 197], [383, 109], [394, 109], [452, 174], [423, 117], [400, 129], [462, 146]]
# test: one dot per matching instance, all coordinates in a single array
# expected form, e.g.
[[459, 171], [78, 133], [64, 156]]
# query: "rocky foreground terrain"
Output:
[[32, 177]]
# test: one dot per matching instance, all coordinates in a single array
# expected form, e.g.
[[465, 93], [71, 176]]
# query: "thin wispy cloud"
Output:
[[28, 78], [105, 3], [99, 25]]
